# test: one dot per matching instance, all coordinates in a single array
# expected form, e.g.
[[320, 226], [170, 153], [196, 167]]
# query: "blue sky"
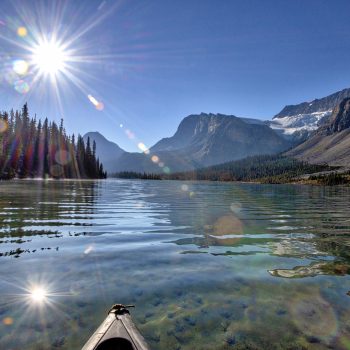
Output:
[[151, 63]]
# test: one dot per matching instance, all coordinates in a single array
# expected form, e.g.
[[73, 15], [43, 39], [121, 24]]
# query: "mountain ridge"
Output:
[[317, 105], [298, 122], [200, 140], [107, 151], [331, 143], [207, 139], [215, 138]]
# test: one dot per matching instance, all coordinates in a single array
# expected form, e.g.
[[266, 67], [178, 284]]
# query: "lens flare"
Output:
[[129, 134], [98, 104], [236, 207], [155, 159], [7, 321], [3, 126], [62, 157], [88, 250], [143, 148], [21, 86], [22, 31], [184, 187], [227, 225], [20, 67]]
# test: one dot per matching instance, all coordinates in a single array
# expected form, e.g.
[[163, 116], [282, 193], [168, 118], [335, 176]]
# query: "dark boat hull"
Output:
[[117, 332]]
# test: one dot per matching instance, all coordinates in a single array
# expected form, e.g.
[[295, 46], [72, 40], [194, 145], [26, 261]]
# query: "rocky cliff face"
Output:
[[216, 138], [331, 142], [315, 106], [340, 119], [298, 122]]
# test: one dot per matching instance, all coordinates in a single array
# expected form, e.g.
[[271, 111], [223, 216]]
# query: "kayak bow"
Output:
[[117, 332]]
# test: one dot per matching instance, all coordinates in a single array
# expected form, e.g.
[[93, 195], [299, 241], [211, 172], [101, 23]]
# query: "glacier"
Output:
[[305, 123]]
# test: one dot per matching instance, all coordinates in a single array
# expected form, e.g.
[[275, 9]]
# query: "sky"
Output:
[[132, 70]]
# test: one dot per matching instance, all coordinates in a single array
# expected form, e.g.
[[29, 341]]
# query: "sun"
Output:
[[38, 294], [49, 57]]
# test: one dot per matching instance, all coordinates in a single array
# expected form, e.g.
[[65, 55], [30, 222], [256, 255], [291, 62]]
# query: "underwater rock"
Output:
[[191, 321], [314, 269], [231, 340], [58, 342], [171, 315], [149, 314], [313, 340], [281, 312]]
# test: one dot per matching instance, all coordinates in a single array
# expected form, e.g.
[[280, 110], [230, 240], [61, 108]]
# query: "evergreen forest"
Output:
[[30, 148], [262, 168]]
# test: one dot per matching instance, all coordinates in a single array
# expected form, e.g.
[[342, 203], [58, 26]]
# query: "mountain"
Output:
[[107, 151], [331, 142], [115, 159], [216, 138], [324, 104], [298, 122], [208, 139], [200, 140]]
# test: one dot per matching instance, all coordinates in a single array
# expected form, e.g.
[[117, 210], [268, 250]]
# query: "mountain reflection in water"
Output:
[[208, 265]]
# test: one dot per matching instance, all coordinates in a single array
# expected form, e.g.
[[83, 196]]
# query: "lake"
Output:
[[207, 265]]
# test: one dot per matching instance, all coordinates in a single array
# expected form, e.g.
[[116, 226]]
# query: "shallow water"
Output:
[[208, 265]]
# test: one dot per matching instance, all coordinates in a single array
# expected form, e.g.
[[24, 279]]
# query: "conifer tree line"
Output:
[[275, 168], [32, 148], [136, 175]]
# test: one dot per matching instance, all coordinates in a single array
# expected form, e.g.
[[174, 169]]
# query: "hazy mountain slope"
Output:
[[115, 159], [107, 151], [253, 121], [298, 122], [168, 162], [182, 137], [215, 138], [331, 143]]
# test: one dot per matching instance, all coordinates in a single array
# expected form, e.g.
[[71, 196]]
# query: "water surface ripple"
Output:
[[208, 265]]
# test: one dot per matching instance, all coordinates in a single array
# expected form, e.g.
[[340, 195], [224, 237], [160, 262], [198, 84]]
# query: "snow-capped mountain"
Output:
[[298, 122], [330, 143]]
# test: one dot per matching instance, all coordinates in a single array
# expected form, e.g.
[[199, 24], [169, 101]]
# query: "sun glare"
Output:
[[38, 294], [49, 58]]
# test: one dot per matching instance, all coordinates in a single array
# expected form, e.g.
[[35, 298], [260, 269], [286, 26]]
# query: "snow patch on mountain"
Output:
[[308, 122]]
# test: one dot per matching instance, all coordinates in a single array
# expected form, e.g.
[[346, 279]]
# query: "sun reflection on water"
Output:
[[38, 294]]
